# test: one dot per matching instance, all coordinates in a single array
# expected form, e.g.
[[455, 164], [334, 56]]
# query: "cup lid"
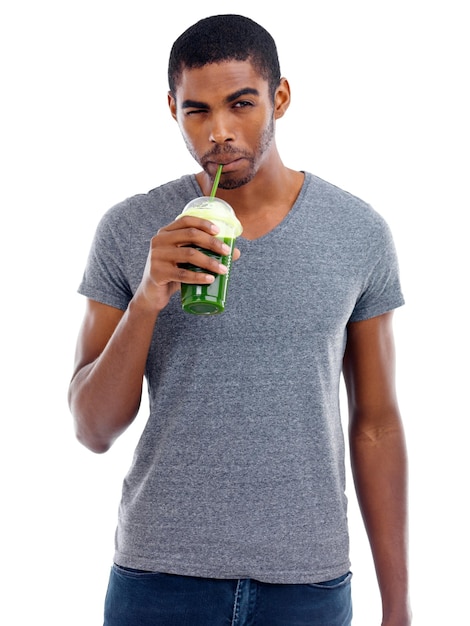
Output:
[[213, 209]]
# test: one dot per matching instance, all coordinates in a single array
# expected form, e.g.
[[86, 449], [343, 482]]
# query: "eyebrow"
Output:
[[195, 104]]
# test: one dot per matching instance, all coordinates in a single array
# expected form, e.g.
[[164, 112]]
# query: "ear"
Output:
[[172, 105], [281, 98]]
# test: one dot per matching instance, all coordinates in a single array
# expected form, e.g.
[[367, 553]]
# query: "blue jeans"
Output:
[[137, 598]]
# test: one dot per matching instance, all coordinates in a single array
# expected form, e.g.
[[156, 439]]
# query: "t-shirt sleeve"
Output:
[[104, 278], [382, 289]]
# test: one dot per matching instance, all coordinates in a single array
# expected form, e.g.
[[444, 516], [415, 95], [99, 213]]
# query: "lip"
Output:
[[228, 166]]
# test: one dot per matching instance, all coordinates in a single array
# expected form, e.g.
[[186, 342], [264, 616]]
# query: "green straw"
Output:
[[216, 181]]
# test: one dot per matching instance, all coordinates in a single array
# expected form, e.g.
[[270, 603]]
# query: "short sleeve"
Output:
[[382, 289], [104, 278]]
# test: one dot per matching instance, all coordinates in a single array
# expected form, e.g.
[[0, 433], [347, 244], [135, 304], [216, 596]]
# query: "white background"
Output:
[[380, 107]]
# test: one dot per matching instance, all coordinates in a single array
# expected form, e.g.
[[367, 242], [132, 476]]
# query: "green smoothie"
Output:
[[210, 299]]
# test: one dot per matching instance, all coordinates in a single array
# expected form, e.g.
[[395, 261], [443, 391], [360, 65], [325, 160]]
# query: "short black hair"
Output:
[[225, 38]]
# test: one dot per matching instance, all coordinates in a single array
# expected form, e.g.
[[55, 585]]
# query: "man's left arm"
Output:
[[378, 458]]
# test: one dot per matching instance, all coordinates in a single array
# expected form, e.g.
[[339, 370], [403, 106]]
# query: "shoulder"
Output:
[[343, 211], [159, 205]]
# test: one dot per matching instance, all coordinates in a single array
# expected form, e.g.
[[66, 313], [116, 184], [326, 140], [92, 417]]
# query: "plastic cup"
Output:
[[210, 299]]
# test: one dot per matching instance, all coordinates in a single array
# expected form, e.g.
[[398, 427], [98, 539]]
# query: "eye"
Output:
[[195, 112], [241, 104]]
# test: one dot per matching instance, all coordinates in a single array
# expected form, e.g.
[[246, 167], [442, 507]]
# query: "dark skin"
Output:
[[227, 115]]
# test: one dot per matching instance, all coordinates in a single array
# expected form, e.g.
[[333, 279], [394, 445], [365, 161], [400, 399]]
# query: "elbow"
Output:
[[98, 423], [97, 431], [92, 441], [88, 430]]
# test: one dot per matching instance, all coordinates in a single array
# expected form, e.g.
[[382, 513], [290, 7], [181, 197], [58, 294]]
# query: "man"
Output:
[[233, 511]]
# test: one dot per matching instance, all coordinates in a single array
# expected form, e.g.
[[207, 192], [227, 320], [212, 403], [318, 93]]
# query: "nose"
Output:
[[220, 131]]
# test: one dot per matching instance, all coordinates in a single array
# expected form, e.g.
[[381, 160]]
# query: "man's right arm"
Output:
[[106, 387], [112, 348]]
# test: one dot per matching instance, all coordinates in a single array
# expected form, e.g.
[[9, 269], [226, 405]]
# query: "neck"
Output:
[[263, 203]]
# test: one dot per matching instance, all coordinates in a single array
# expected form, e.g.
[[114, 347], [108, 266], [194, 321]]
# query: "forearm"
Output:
[[105, 394], [379, 465]]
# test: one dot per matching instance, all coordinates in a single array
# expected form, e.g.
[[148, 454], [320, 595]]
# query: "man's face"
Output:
[[225, 114]]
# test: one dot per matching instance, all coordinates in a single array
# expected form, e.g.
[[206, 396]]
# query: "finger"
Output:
[[164, 269], [189, 221], [202, 240], [196, 260], [191, 235]]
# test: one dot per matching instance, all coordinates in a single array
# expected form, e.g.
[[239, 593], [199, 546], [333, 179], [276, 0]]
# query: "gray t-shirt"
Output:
[[239, 471]]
